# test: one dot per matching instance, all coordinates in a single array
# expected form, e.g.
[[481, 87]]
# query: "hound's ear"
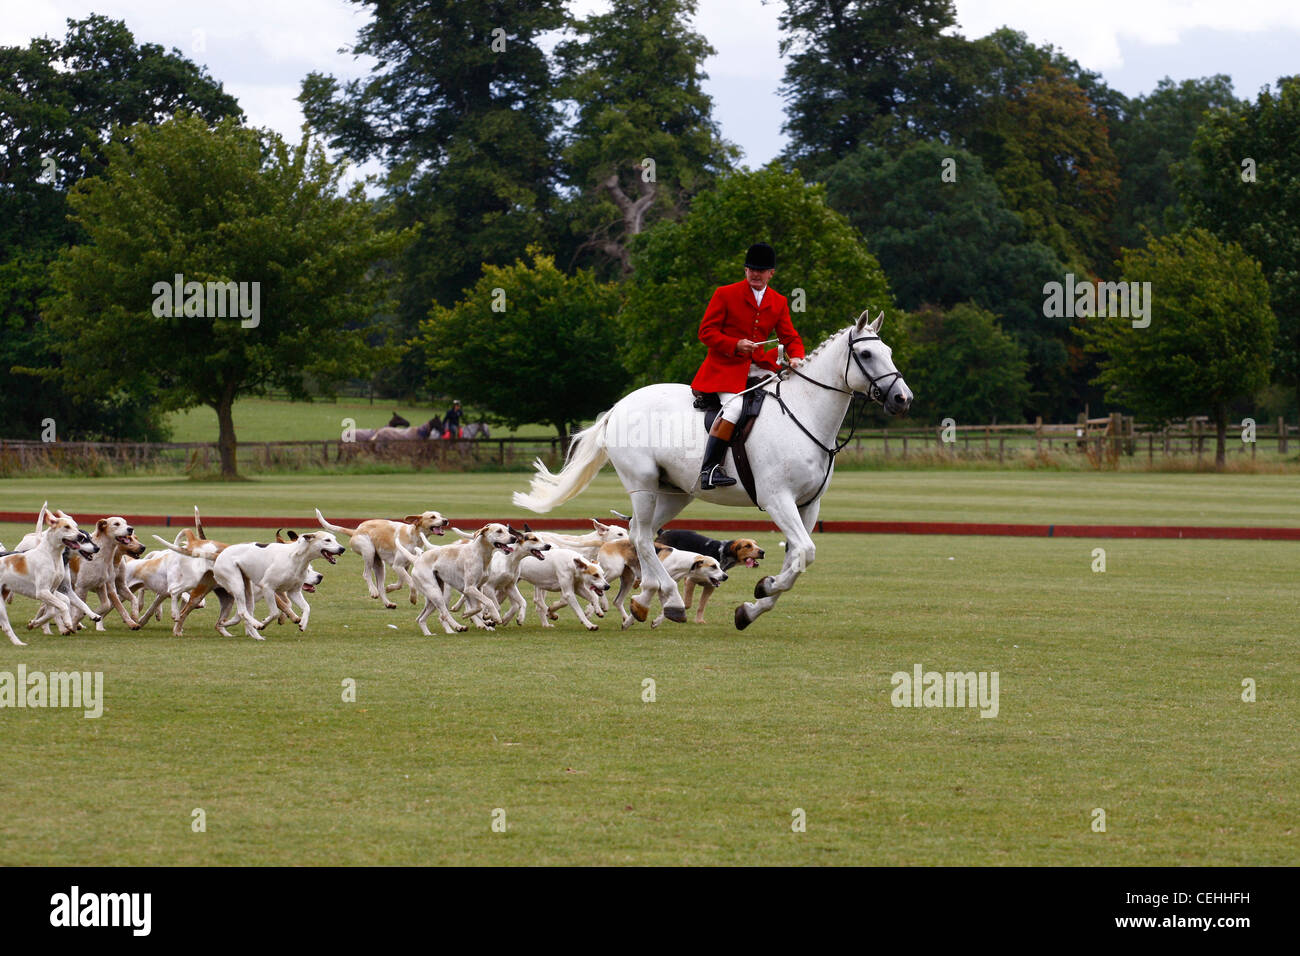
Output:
[[875, 326], [293, 535], [101, 524], [580, 563], [699, 563], [413, 519], [598, 525], [528, 529]]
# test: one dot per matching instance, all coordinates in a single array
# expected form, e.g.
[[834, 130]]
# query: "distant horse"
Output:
[[397, 421], [791, 451], [430, 429], [476, 429]]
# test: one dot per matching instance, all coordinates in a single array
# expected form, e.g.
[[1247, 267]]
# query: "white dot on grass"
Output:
[[393, 626]]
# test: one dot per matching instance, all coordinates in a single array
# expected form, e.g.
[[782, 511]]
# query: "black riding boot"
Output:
[[711, 473]]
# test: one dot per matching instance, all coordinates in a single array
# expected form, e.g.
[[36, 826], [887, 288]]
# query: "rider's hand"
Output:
[[745, 347], [794, 362]]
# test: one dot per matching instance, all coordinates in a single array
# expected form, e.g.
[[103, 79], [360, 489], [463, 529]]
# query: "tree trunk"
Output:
[[1221, 430], [561, 429], [226, 435]]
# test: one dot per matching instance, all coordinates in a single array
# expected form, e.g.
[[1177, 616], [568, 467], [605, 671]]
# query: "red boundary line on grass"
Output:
[[740, 524]]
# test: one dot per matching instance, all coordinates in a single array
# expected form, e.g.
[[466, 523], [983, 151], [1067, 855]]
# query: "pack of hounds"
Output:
[[477, 576]]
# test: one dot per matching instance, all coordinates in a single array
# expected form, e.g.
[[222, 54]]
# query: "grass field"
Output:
[[1118, 690]]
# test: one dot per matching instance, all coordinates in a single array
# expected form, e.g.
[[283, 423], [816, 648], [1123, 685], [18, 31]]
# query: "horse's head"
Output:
[[869, 367]]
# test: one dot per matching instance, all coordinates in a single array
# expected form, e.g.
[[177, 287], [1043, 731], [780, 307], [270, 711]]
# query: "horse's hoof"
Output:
[[675, 614], [760, 589], [743, 620], [639, 610]]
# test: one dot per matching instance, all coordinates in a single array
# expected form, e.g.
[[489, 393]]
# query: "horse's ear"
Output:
[[875, 326], [861, 324]]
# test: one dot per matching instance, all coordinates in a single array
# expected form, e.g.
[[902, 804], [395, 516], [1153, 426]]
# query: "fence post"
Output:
[[1281, 435], [1001, 447]]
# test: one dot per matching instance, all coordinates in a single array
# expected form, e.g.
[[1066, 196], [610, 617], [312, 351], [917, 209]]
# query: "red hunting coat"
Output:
[[732, 316]]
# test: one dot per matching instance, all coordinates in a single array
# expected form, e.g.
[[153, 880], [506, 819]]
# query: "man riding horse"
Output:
[[735, 327]]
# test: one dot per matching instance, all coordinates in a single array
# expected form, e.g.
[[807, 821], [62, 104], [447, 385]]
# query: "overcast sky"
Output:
[[261, 50]]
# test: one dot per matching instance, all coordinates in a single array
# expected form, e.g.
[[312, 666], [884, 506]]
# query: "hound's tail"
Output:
[[336, 528], [587, 455]]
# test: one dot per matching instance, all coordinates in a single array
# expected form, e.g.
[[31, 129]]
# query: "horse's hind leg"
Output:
[[648, 508], [800, 552]]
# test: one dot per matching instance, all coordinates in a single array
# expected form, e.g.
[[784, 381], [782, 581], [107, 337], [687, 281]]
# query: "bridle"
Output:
[[874, 392]]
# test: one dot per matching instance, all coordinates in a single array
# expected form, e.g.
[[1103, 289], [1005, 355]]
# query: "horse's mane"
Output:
[[825, 342]]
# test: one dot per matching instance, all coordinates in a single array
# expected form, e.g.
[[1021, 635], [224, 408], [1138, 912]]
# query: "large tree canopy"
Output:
[[223, 205], [461, 110], [961, 365], [530, 343], [679, 264], [1243, 184], [59, 101], [636, 78], [1152, 141], [1210, 337], [937, 223]]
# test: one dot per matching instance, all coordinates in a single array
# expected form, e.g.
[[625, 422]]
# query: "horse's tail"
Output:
[[587, 455]]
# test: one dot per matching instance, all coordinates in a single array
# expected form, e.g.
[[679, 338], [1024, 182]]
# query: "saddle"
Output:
[[751, 404]]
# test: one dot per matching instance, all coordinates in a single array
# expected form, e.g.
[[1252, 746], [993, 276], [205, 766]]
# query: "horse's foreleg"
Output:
[[655, 579], [800, 552]]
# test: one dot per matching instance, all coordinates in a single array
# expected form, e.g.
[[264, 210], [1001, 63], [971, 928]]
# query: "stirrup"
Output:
[[715, 477]]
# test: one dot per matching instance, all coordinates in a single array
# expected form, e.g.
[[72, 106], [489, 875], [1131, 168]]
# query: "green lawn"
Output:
[[937, 495], [1118, 690]]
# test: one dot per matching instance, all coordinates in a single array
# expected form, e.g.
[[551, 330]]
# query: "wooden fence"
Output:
[[1118, 438]]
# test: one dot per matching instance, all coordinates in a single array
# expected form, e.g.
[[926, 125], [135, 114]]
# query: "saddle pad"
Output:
[[751, 404]]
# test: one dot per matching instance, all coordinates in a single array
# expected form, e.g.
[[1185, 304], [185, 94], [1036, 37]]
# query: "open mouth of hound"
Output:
[[124, 539], [536, 553], [751, 563], [504, 548], [330, 556], [309, 588], [73, 543], [439, 530]]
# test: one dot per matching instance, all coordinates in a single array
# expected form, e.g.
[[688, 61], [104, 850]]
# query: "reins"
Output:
[[874, 392]]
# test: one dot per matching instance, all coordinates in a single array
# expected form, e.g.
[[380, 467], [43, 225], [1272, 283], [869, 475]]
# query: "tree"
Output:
[[59, 101], [222, 205], [869, 72], [460, 108], [1211, 333], [529, 343], [961, 365], [636, 78], [939, 227], [1243, 184], [1152, 141], [822, 266], [1048, 147]]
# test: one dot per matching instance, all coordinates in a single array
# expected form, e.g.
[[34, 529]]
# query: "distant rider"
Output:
[[451, 421]]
